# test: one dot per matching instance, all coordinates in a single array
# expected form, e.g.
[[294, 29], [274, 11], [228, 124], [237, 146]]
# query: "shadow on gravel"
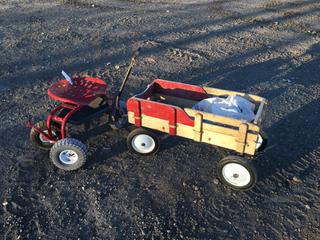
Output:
[[293, 138], [29, 76]]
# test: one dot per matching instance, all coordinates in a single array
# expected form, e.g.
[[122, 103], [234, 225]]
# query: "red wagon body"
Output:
[[167, 107]]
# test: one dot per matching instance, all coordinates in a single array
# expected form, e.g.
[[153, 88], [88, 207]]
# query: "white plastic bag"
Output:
[[233, 106]]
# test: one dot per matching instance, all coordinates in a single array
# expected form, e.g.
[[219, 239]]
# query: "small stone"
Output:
[[307, 207], [216, 181], [296, 180], [151, 60], [184, 184], [93, 5], [117, 67], [5, 203], [196, 188], [108, 63]]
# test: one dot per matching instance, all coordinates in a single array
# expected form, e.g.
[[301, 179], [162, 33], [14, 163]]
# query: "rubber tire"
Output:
[[242, 161], [264, 142], [35, 136], [69, 144], [139, 131]]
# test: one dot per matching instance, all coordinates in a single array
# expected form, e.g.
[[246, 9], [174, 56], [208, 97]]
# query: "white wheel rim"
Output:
[[236, 174], [143, 143], [259, 141], [44, 139], [68, 157]]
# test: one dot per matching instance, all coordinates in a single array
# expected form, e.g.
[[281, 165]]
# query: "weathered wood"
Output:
[[197, 127], [224, 93], [221, 119], [151, 122], [242, 138]]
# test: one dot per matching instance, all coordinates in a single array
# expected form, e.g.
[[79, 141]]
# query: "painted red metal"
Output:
[[141, 103], [82, 92], [46, 136]]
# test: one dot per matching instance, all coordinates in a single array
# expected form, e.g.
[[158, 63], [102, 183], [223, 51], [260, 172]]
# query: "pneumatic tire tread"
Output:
[[69, 144]]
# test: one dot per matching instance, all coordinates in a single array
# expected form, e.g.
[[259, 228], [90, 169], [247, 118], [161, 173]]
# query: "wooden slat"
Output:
[[197, 127], [216, 139], [242, 138], [221, 92], [227, 131], [151, 122], [220, 119], [172, 121]]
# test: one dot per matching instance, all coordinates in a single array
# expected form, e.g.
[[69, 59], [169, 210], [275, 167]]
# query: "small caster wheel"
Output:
[[262, 142], [39, 139], [68, 154], [237, 172], [143, 142]]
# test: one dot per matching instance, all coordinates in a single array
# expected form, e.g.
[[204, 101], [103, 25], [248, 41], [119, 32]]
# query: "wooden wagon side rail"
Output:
[[224, 93], [221, 119], [240, 140]]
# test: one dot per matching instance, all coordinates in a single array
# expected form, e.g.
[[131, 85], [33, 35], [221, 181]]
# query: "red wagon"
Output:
[[166, 106]]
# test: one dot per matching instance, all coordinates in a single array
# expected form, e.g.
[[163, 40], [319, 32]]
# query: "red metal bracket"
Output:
[[62, 120], [29, 124]]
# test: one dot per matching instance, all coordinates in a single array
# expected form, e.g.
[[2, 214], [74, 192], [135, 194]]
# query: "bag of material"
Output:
[[233, 106]]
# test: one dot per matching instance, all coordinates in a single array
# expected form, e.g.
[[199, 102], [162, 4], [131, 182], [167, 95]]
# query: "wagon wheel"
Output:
[[237, 172], [68, 154], [143, 142], [41, 141], [262, 142]]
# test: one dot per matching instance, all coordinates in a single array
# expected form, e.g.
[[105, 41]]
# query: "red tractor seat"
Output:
[[83, 90]]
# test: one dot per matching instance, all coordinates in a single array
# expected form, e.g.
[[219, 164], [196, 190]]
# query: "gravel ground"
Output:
[[269, 48]]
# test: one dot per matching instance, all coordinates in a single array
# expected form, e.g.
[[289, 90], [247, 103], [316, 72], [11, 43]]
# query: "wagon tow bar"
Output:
[[116, 114]]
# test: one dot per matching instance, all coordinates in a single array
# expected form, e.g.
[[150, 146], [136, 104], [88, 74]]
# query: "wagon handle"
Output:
[[124, 81]]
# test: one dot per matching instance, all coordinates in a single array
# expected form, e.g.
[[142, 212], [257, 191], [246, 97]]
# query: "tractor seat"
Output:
[[82, 92]]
